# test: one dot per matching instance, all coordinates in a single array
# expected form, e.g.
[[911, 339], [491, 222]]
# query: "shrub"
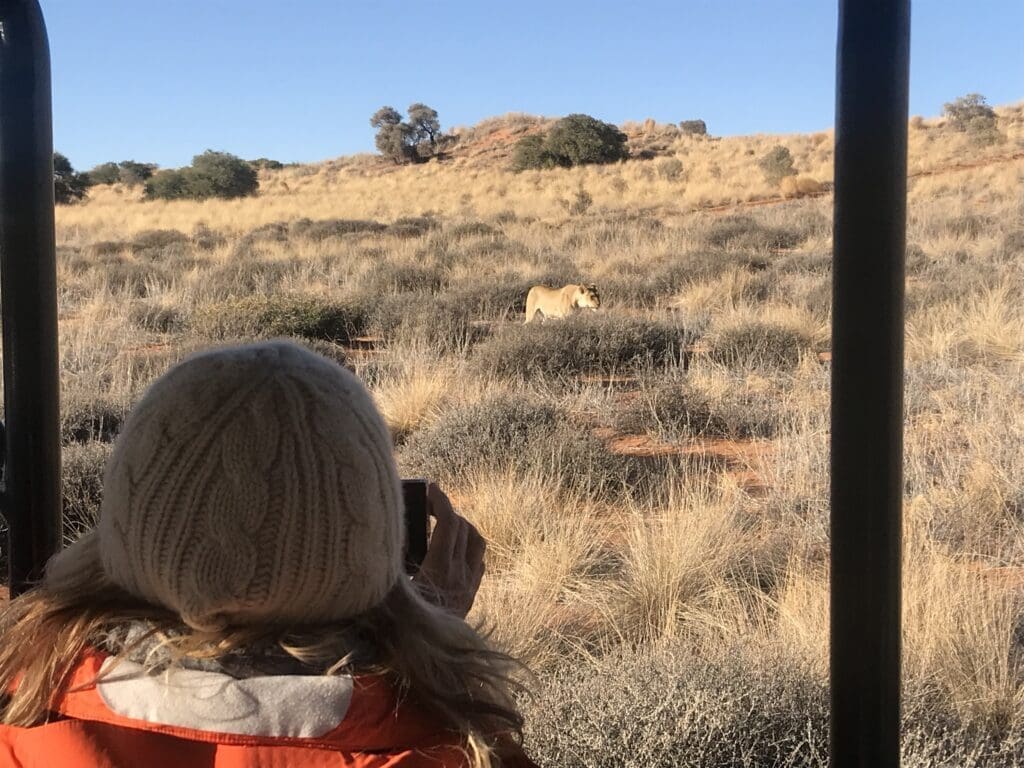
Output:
[[87, 418], [105, 173], [82, 486], [760, 345], [267, 317], [169, 184], [582, 140], [505, 433], [581, 203], [212, 174], [327, 228], [132, 174], [972, 115], [390, 277], [158, 238], [670, 169], [531, 152], [412, 226], [69, 186], [221, 175], [746, 233], [675, 410], [582, 345], [693, 127], [155, 317], [266, 164], [776, 164], [206, 239]]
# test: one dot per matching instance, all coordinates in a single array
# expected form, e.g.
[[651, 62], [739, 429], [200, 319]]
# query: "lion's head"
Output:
[[587, 297]]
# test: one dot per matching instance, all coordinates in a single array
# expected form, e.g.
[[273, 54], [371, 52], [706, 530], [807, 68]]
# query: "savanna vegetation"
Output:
[[651, 477]]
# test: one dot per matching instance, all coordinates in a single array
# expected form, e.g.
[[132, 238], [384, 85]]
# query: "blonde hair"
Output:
[[430, 655]]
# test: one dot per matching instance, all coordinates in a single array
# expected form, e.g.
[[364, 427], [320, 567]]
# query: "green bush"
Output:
[[168, 184], [573, 140], [582, 140], [221, 175], [972, 115], [273, 316], [212, 174], [132, 174], [105, 173], [531, 152], [69, 186], [776, 164], [266, 164], [581, 345]]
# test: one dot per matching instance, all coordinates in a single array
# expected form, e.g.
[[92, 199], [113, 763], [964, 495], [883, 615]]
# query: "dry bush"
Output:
[[675, 410], [575, 346], [531, 436], [760, 344], [266, 317]]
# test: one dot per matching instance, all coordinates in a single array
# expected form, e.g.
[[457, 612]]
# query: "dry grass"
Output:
[[698, 595]]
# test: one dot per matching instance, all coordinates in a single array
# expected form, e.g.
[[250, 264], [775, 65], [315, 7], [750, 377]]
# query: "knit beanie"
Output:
[[250, 485]]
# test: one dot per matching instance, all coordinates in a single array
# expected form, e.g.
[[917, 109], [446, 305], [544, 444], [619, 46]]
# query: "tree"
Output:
[[424, 123], [132, 173], [583, 140], [972, 115], [69, 186], [385, 116], [105, 173], [419, 138]]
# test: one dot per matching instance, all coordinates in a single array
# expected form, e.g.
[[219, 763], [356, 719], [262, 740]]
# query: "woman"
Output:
[[242, 601]]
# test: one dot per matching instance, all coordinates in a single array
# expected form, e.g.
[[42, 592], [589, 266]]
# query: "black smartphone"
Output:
[[417, 530]]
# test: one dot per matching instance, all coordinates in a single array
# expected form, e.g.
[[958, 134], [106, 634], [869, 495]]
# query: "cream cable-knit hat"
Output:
[[250, 485]]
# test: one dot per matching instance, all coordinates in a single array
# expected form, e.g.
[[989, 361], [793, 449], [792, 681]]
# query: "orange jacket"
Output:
[[206, 720]]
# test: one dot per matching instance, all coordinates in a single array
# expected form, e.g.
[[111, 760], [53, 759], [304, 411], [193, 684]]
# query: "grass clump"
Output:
[[583, 345], [672, 708], [760, 344], [746, 233], [90, 418], [272, 316], [505, 433], [327, 228], [82, 468], [674, 411]]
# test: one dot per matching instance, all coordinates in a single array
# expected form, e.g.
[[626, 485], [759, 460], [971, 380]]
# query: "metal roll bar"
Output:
[[28, 289], [869, 230]]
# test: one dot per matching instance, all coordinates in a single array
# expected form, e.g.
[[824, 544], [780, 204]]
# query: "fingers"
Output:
[[445, 536]]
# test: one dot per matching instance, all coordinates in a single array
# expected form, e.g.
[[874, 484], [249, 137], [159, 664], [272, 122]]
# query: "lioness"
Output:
[[559, 302]]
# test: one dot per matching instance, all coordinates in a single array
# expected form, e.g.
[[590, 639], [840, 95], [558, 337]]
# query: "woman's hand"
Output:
[[451, 572]]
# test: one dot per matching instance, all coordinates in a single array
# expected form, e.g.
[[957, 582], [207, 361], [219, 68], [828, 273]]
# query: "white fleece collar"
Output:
[[298, 706]]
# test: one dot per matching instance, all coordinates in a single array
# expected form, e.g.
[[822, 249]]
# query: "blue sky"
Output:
[[297, 81]]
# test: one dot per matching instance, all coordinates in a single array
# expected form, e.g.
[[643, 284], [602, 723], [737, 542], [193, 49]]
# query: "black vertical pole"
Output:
[[867, 380], [28, 293]]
